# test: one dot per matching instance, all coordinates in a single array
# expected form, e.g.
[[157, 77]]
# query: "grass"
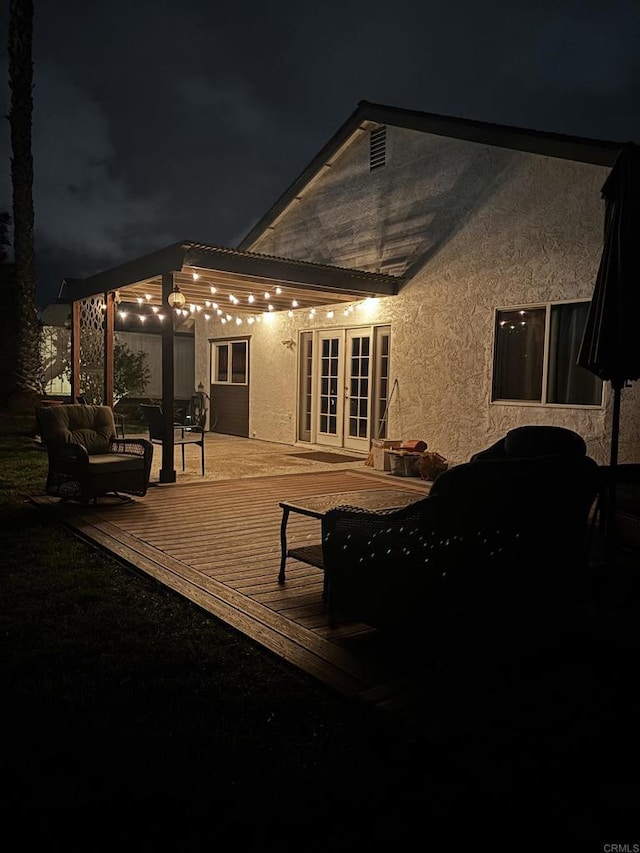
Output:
[[131, 717]]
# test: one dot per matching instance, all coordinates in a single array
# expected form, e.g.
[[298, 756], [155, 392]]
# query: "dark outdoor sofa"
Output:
[[495, 537]]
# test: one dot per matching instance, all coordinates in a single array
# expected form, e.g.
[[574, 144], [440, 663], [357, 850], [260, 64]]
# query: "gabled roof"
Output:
[[197, 268], [368, 115]]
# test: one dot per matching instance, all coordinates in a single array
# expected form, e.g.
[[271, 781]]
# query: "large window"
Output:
[[229, 363], [535, 356]]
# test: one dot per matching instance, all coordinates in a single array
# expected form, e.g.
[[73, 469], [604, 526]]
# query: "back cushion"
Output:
[[90, 426], [528, 441], [554, 489]]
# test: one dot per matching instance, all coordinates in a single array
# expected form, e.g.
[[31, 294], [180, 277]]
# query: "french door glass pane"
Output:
[[329, 365], [358, 387]]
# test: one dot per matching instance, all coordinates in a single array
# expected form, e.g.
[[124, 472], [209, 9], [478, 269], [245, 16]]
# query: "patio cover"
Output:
[[196, 268], [239, 282]]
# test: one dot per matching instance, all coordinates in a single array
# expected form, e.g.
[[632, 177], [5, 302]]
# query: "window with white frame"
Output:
[[229, 362], [535, 356]]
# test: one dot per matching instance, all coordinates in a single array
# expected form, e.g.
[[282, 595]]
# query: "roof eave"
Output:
[[347, 129], [169, 259], [580, 149], [180, 257]]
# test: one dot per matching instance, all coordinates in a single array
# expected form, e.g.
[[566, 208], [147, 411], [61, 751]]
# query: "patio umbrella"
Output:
[[611, 343]]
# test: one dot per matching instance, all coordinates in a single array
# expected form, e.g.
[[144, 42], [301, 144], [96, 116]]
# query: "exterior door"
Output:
[[230, 386], [330, 388], [343, 389], [357, 388]]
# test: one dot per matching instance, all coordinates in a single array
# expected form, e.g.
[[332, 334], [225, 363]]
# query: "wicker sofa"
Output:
[[86, 460], [494, 536]]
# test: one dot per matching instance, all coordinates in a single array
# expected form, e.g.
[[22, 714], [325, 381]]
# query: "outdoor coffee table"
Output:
[[317, 505]]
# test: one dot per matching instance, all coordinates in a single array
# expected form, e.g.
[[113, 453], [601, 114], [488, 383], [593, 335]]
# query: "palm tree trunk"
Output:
[[27, 371]]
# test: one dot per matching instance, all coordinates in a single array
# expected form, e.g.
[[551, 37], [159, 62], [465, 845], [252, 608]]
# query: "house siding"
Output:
[[474, 227]]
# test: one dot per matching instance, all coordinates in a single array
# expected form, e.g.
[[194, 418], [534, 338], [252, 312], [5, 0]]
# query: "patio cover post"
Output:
[[109, 299], [167, 471], [75, 350]]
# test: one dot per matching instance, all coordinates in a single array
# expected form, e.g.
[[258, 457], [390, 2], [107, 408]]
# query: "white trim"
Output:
[[227, 343]]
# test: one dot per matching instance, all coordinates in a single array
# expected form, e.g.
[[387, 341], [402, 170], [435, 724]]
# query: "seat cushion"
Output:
[[107, 463]]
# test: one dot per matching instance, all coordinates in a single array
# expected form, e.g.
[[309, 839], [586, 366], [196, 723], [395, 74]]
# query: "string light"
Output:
[[311, 313]]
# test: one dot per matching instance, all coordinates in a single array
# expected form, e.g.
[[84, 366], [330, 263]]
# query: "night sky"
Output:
[[156, 121]]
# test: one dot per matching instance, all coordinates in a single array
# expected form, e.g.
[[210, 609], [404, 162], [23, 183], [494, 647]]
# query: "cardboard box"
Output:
[[381, 447]]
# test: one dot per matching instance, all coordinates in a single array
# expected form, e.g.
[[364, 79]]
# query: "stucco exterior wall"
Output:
[[475, 228]]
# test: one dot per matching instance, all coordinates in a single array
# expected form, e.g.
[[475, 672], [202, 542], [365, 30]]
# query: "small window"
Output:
[[377, 148], [535, 356], [229, 363]]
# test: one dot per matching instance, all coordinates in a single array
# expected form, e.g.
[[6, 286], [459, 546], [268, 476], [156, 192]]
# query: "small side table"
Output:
[[316, 506]]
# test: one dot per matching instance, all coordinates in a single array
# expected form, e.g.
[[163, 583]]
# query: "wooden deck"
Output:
[[218, 544]]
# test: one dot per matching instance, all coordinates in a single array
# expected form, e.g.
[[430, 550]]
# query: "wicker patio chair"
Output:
[[86, 459]]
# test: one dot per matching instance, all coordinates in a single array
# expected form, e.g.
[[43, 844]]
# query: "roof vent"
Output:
[[377, 148]]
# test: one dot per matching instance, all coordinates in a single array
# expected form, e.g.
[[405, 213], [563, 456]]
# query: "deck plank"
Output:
[[218, 545]]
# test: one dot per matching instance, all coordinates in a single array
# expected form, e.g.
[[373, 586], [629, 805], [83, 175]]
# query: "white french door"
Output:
[[329, 402], [358, 388], [342, 402]]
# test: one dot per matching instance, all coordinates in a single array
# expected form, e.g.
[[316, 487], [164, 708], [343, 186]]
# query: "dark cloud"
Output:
[[157, 121]]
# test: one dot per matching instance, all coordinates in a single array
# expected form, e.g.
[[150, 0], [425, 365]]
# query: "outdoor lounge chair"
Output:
[[493, 538], [191, 433], [86, 459]]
